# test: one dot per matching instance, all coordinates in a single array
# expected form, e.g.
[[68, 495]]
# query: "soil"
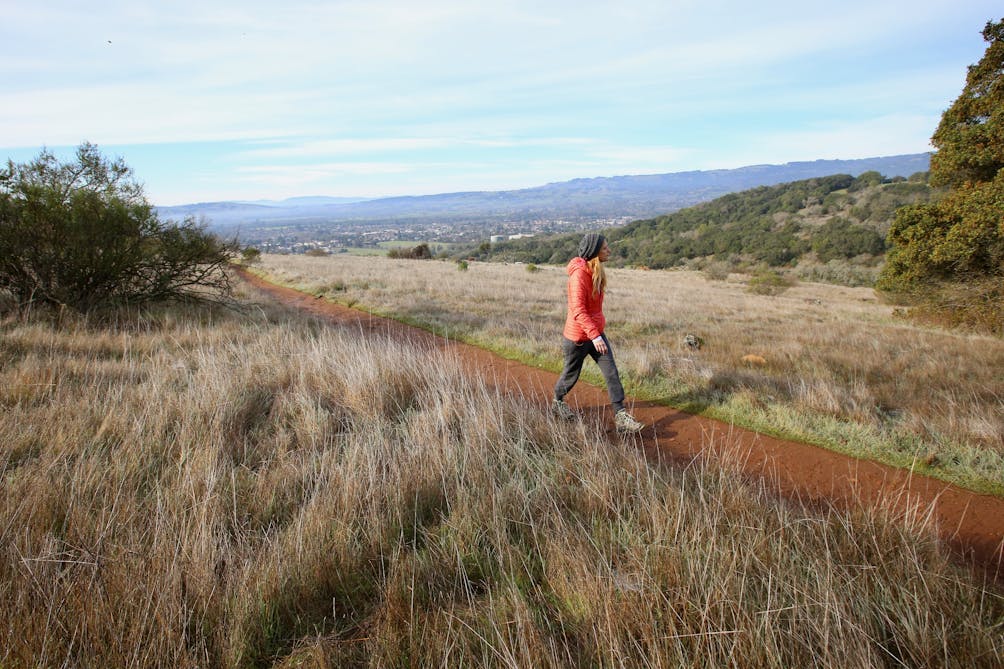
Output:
[[970, 524]]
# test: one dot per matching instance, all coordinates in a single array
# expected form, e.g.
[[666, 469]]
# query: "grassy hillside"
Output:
[[829, 228], [205, 489], [840, 369]]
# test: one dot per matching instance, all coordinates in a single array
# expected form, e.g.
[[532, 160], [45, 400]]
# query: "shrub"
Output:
[[840, 239], [717, 271], [839, 271], [462, 265], [420, 252], [250, 256], [82, 235], [866, 180], [532, 269], [978, 305], [768, 282]]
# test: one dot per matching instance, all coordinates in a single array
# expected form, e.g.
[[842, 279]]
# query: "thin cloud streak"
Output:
[[334, 147]]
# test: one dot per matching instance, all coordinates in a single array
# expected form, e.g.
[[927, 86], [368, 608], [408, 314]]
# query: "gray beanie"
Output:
[[590, 245]]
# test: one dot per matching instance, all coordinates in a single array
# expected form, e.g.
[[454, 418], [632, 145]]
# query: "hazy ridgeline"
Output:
[[840, 367], [208, 490]]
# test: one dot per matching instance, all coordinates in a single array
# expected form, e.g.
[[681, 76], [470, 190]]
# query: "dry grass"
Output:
[[841, 370], [209, 490]]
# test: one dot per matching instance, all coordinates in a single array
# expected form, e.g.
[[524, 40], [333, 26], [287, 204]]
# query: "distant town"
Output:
[[344, 236]]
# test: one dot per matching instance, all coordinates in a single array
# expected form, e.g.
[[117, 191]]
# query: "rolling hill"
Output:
[[580, 199], [838, 220]]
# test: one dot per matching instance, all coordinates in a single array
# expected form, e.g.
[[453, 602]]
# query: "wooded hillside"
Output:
[[816, 222]]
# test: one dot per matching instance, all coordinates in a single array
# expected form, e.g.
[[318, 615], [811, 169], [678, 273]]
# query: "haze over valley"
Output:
[[299, 224]]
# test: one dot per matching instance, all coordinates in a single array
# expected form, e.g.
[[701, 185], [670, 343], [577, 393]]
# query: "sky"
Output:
[[218, 100]]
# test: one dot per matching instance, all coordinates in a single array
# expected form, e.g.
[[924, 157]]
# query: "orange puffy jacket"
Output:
[[585, 318]]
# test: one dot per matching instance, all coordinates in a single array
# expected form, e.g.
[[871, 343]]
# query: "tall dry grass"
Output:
[[841, 369], [209, 490]]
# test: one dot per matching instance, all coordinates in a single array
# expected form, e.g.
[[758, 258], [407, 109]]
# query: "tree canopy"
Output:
[[959, 240], [81, 234], [970, 136]]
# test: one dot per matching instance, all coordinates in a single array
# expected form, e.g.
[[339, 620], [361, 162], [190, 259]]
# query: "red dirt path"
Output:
[[972, 525]]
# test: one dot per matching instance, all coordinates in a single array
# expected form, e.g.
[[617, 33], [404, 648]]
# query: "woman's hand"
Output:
[[600, 345]]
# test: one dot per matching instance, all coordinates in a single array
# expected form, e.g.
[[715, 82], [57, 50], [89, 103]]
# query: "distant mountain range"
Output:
[[636, 196]]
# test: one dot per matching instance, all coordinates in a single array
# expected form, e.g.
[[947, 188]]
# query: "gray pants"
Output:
[[575, 354]]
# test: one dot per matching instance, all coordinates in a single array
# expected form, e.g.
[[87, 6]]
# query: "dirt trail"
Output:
[[971, 524]]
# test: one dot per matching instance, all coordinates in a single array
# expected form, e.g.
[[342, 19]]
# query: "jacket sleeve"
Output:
[[579, 288]]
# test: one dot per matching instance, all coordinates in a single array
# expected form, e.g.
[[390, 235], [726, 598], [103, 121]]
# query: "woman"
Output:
[[583, 334]]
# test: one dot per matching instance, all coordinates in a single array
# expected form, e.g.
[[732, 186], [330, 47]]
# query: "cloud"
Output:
[[372, 90], [336, 147], [134, 114], [639, 157], [392, 145], [882, 136], [309, 173], [190, 72]]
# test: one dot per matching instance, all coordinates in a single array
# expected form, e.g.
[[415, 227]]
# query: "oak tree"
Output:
[[949, 254]]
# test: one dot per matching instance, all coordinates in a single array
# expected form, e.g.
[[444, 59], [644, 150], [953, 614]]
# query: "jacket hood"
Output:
[[576, 264]]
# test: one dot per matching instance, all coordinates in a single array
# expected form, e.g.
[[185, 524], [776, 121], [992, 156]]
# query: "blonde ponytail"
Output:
[[599, 276]]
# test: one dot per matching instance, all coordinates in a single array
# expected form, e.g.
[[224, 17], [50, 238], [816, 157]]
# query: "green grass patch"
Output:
[[979, 471], [435, 247]]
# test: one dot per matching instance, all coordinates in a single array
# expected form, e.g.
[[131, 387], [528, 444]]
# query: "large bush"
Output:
[[81, 234], [838, 238]]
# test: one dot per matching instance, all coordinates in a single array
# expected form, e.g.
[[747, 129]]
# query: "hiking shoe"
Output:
[[562, 410], [625, 422]]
